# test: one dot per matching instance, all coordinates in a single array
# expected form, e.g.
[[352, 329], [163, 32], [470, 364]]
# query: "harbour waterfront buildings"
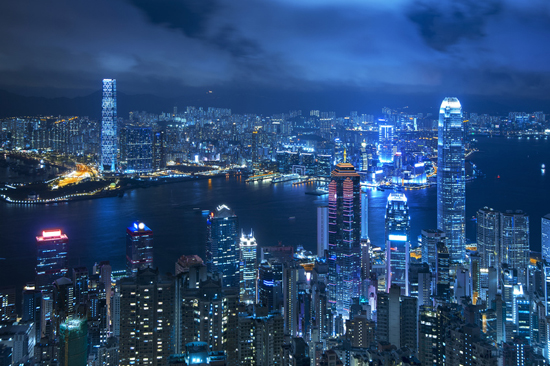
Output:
[[451, 177]]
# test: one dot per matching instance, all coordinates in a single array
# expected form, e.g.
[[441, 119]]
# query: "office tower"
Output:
[[364, 216], [138, 149], [388, 316], [139, 248], [344, 223], [514, 242], [324, 165], [73, 342], [260, 339], [280, 252], [488, 230], [51, 257], [365, 259], [109, 146], [248, 268], [451, 187], [222, 252], [428, 335], [385, 143], [443, 277], [364, 157], [476, 278], [397, 241], [322, 230], [147, 316], [63, 296], [270, 285], [429, 240], [31, 306]]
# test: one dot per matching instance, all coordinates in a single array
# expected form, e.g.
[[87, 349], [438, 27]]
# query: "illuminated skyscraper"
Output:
[[139, 149], [451, 188], [514, 242], [344, 227], [109, 145], [222, 251], [397, 241], [51, 257], [73, 342], [248, 268], [385, 143], [488, 236], [545, 237], [139, 248]]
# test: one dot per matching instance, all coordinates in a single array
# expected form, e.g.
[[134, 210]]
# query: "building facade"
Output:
[[451, 184], [109, 138]]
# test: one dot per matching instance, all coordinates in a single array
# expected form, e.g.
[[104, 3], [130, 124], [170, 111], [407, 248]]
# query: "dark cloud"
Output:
[[228, 38], [189, 16], [444, 23]]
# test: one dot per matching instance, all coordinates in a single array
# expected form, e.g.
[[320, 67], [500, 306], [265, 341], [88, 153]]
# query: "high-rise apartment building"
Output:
[[139, 248], [344, 226], [51, 256], [146, 318], [222, 252], [248, 268], [397, 225], [451, 184], [109, 143]]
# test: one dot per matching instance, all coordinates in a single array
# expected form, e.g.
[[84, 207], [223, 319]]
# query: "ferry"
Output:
[[286, 178]]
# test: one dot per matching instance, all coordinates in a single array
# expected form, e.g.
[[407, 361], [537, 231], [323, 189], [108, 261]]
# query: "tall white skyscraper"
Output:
[[451, 184], [248, 268], [545, 237], [109, 140]]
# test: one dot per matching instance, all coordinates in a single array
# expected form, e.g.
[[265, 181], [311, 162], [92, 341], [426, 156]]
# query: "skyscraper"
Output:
[[248, 268], [429, 239], [545, 237], [397, 241], [139, 149], [344, 223], [139, 248], [488, 236], [385, 143], [222, 252], [451, 187], [514, 242], [109, 146], [51, 256]]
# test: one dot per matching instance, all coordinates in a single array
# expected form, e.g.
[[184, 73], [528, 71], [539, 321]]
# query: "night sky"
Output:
[[323, 54]]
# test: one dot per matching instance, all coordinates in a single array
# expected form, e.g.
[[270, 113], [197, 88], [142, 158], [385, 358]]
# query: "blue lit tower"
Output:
[[51, 264], [139, 248], [344, 237], [451, 188], [397, 224], [109, 147], [385, 143], [222, 251], [545, 237]]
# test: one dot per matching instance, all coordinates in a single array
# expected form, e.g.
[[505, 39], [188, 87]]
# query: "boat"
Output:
[[543, 166], [318, 192]]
